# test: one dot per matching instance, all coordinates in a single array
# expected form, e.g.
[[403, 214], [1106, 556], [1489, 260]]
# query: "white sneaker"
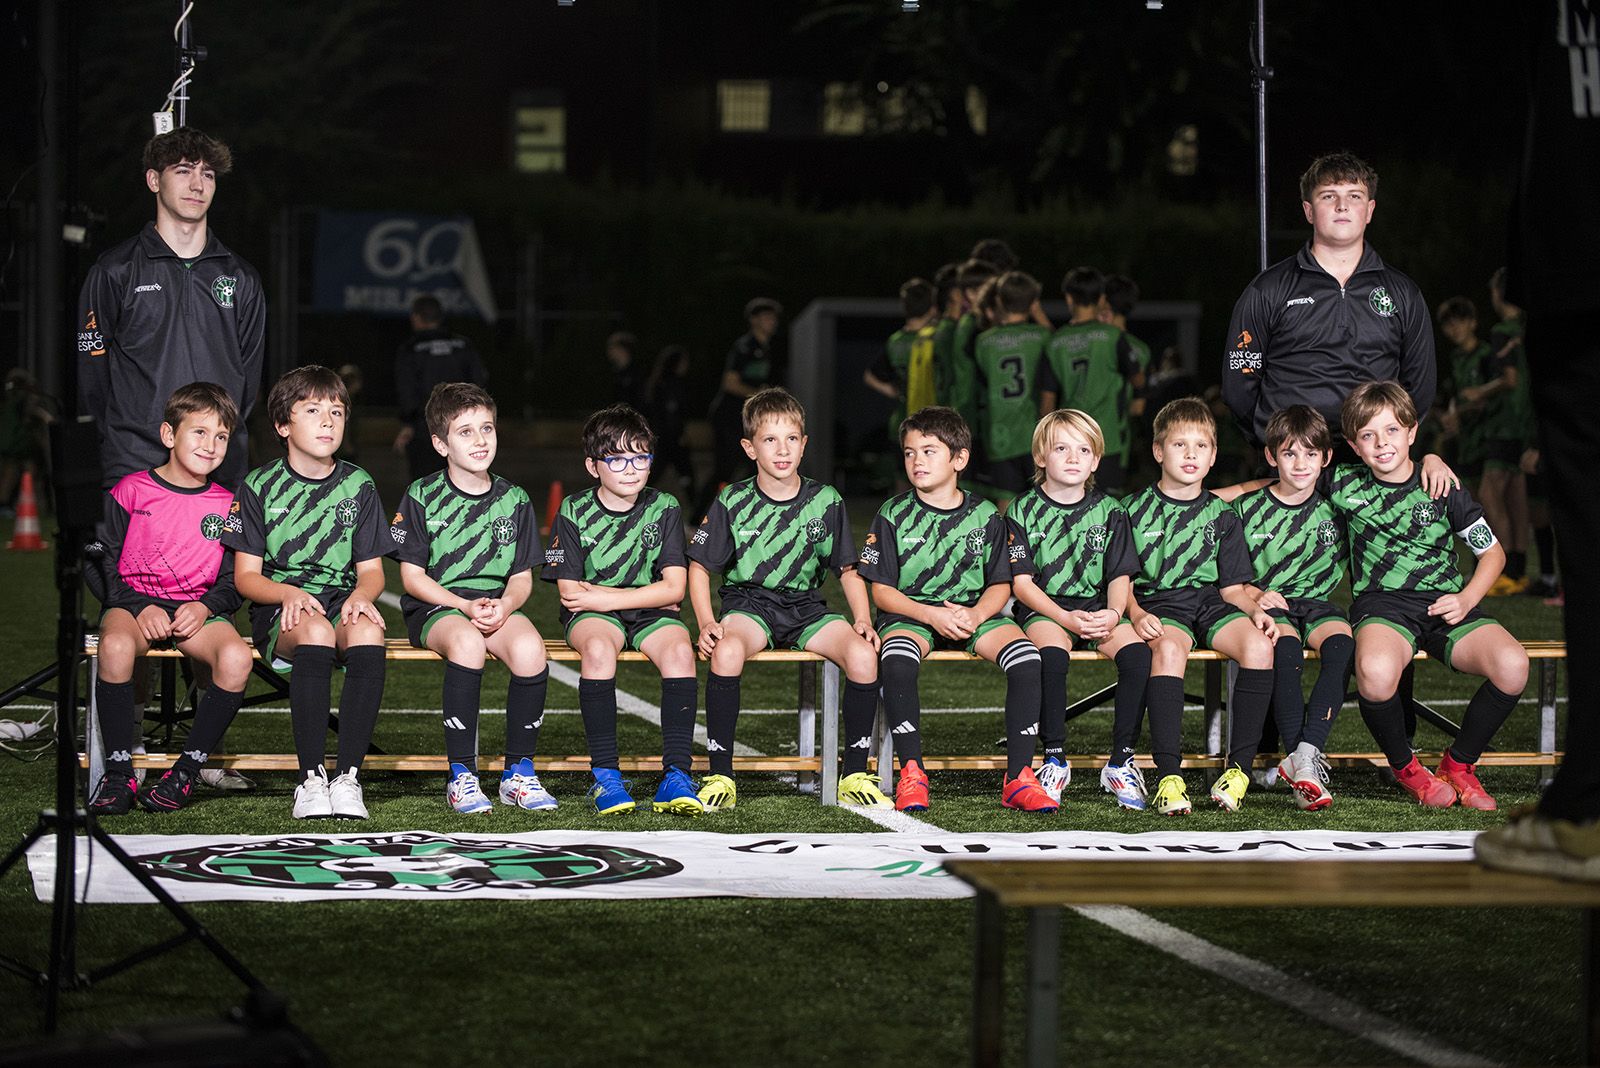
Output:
[[1053, 775], [344, 797], [523, 789], [1126, 783], [1306, 770], [311, 797], [463, 792], [138, 772], [225, 779]]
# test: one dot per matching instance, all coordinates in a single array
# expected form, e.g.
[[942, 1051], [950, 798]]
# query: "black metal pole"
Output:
[[181, 101], [1260, 74], [47, 210]]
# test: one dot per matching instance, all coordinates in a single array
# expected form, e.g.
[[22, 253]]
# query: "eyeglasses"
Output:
[[619, 464]]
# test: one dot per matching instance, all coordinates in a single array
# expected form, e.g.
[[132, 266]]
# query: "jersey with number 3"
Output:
[[1007, 359]]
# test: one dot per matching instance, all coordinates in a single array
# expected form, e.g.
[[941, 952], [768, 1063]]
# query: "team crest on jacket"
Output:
[[345, 512], [816, 530], [503, 530], [651, 535], [222, 290], [211, 527], [1381, 302], [1098, 538]]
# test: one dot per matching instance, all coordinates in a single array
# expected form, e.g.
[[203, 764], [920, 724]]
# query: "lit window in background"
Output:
[[744, 106], [1183, 151], [539, 139]]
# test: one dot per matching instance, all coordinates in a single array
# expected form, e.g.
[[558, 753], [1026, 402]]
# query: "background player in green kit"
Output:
[[906, 371], [1191, 591], [940, 563], [1409, 593], [1088, 365], [616, 556], [1296, 540], [774, 538], [1006, 358], [467, 542], [308, 539], [1081, 552], [961, 377]]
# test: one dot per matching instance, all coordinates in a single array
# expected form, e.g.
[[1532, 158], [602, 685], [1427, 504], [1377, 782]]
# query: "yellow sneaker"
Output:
[[1172, 796], [861, 788], [1228, 790], [1503, 586], [717, 792]]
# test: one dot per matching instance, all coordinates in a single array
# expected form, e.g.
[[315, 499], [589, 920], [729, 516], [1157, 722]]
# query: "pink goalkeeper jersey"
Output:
[[170, 538]]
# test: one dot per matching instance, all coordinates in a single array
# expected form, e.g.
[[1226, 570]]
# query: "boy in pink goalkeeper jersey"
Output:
[[171, 581]]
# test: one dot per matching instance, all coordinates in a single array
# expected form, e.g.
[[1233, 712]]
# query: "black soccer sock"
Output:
[[722, 717], [1386, 721], [1127, 708], [1544, 539], [463, 694], [524, 715], [1252, 693], [211, 719], [1338, 660], [1516, 563], [1485, 713], [677, 724], [597, 703], [860, 707], [358, 704], [1288, 699], [1053, 666], [1020, 661], [899, 663], [1164, 696], [310, 679], [114, 702]]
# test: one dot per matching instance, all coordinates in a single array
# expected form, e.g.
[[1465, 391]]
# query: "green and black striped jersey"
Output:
[[787, 547], [934, 555], [1087, 366], [1075, 549], [1399, 538], [622, 550], [1186, 544], [1297, 549], [1007, 360], [309, 533], [467, 543]]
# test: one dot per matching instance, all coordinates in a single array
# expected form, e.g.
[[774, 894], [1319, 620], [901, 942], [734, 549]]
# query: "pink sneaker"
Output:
[[1421, 784], [1464, 778]]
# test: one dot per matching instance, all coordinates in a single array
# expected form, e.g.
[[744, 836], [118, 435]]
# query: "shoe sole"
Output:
[[627, 806], [711, 806], [314, 816], [1226, 803], [681, 807], [551, 807], [471, 811], [1311, 798]]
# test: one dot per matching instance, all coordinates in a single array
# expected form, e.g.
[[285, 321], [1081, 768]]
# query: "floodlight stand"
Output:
[[66, 819], [1260, 75]]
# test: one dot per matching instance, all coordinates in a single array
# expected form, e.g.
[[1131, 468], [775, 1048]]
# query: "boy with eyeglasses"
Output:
[[616, 556]]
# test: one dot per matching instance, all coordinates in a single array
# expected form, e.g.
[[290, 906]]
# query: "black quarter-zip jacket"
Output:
[[1298, 337], [149, 322]]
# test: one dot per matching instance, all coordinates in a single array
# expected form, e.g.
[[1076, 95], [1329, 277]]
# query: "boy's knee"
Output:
[[598, 656], [314, 630], [1509, 672], [728, 656], [232, 669], [1256, 655], [1168, 657], [861, 663]]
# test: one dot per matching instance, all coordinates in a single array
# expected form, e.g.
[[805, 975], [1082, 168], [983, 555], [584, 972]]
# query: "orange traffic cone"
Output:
[[551, 507], [25, 536]]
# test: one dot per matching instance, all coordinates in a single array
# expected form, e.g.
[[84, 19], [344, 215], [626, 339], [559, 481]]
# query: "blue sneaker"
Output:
[[464, 793], [1126, 783], [520, 786], [677, 795], [609, 792]]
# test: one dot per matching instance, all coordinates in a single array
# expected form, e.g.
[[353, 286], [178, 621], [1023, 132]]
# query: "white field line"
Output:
[[1321, 1005]]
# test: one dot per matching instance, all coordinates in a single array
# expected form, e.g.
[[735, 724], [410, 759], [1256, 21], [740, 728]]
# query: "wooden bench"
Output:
[[1043, 887], [819, 691]]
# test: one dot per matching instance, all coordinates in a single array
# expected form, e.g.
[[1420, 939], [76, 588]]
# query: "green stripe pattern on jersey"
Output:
[[1007, 359], [1399, 538], [467, 542], [934, 555], [1076, 549], [621, 550], [1186, 544], [311, 533], [790, 545], [1297, 549]]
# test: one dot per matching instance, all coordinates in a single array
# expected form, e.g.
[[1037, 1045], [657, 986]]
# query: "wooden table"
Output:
[[1044, 886]]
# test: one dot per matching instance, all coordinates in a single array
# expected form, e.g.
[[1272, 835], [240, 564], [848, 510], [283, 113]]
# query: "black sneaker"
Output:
[[115, 794], [1542, 588], [171, 793]]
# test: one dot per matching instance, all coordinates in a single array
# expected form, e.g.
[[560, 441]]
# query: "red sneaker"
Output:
[[1024, 792], [911, 792], [1464, 778], [1421, 784]]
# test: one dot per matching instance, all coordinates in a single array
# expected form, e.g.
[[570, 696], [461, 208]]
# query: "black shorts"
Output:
[[133, 608], [636, 624], [888, 623], [1013, 476], [789, 624], [264, 624], [1503, 453], [1306, 614], [1406, 611], [420, 616], [1110, 477], [1199, 611], [1022, 615]]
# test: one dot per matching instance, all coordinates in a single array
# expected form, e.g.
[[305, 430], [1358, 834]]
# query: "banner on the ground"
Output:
[[428, 866], [379, 262]]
